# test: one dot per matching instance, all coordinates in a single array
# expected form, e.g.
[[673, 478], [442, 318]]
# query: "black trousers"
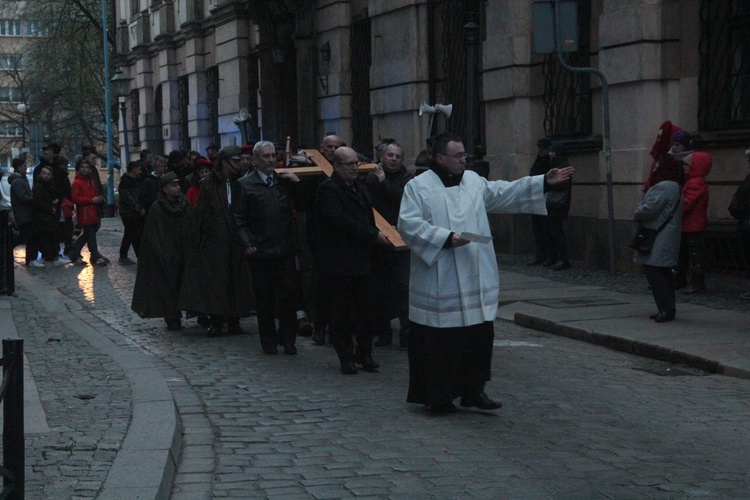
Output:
[[276, 284], [132, 233], [351, 313], [544, 246], [445, 363], [662, 284]]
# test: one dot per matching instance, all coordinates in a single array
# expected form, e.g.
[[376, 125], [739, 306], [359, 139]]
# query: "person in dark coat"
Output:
[[558, 206], [262, 209], [150, 186], [347, 236], [22, 204], [166, 246], [543, 244], [219, 282], [386, 187], [46, 210], [739, 209], [132, 212]]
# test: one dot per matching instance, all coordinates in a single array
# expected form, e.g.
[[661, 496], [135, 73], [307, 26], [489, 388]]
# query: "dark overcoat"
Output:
[[219, 280], [346, 231], [168, 240]]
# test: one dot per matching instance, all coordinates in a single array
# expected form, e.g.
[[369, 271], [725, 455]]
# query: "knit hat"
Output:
[[167, 178], [683, 138], [229, 153]]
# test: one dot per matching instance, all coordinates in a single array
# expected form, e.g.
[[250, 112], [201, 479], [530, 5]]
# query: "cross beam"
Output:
[[324, 167]]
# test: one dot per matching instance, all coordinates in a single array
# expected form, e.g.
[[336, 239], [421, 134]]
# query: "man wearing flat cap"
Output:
[[219, 286]]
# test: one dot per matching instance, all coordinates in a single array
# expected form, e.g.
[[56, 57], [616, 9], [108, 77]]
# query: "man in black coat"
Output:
[[544, 252], [346, 238], [262, 213]]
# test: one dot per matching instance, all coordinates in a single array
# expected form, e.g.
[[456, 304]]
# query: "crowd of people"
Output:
[[238, 232]]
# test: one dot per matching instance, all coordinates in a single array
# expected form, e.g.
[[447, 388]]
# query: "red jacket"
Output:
[[83, 191], [695, 193]]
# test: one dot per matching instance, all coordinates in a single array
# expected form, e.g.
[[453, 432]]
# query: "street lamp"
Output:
[[22, 109], [121, 86]]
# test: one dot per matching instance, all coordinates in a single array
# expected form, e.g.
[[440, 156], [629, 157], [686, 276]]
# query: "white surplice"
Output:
[[458, 287]]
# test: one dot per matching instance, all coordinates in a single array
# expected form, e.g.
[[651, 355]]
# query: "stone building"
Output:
[[361, 68]]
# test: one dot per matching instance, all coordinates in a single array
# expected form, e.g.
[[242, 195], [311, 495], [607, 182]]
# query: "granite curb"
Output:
[[145, 464], [708, 339]]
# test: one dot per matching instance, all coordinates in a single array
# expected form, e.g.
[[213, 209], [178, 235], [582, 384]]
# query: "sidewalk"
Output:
[[713, 340]]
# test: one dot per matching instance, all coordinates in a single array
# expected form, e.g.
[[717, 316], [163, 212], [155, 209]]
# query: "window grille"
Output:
[[567, 94], [158, 146], [361, 62], [10, 129], [35, 28], [724, 80], [135, 117], [452, 66], [212, 96], [183, 100]]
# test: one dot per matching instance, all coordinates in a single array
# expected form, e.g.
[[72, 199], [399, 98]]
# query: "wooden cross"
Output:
[[323, 167]]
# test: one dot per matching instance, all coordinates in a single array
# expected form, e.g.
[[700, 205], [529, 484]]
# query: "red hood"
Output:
[[700, 165]]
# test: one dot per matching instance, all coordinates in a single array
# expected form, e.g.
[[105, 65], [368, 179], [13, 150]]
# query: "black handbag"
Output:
[[644, 237]]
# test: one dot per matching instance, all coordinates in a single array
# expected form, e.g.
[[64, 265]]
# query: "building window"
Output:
[[10, 62], [212, 96], [183, 101], [10, 27], [9, 94], [567, 95], [10, 129], [135, 115], [35, 28], [724, 80]]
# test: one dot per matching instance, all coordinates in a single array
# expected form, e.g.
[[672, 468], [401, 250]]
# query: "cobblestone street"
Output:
[[578, 421]]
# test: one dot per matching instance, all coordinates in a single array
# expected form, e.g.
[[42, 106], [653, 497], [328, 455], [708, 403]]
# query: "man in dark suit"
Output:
[[346, 239]]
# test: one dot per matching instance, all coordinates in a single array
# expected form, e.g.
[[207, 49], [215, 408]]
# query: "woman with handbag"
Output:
[[661, 211]]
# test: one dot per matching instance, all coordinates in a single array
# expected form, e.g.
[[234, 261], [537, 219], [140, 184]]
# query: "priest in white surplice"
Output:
[[454, 283]]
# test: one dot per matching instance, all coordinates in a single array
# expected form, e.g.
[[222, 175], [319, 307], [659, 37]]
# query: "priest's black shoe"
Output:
[[348, 368], [290, 349], [365, 360], [561, 265], [535, 262], [480, 401], [665, 316], [653, 316]]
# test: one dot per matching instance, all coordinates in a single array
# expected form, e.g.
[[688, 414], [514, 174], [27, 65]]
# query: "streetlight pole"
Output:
[[22, 109], [121, 84]]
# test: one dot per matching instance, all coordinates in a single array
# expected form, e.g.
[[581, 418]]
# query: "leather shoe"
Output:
[[535, 262], [443, 408], [204, 321], [348, 368], [173, 325], [233, 327], [304, 327], [665, 316], [290, 349], [365, 360], [319, 338], [270, 350], [480, 401], [214, 330], [561, 265], [548, 263], [653, 316]]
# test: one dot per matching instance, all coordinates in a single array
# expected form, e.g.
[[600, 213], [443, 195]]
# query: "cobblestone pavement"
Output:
[[578, 420]]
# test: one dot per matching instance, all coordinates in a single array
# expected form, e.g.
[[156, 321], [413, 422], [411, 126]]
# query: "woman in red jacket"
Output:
[[87, 196], [690, 271]]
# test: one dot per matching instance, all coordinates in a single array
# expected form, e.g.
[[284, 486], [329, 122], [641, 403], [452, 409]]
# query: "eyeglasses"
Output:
[[349, 164], [457, 156]]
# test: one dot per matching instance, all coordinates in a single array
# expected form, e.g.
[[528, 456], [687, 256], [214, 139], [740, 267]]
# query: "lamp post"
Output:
[[22, 109], [121, 86]]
